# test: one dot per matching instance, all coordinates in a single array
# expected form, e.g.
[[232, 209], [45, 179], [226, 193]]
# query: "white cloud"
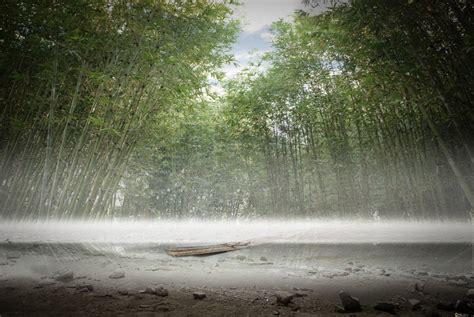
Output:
[[267, 36], [258, 13], [245, 56], [231, 71]]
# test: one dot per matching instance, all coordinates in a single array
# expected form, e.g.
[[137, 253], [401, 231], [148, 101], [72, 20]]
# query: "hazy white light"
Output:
[[256, 232]]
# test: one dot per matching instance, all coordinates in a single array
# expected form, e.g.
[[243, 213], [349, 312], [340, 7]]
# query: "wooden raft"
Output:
[[207, 249]]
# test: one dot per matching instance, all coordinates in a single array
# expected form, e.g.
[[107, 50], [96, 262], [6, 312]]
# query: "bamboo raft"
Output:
[[207, 249]]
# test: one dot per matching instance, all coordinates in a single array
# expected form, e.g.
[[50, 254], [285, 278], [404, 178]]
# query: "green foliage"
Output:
[[82, 86], [361, 111], [355, 111]]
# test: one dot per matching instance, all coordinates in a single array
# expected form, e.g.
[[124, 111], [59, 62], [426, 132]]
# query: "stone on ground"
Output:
[[117, 275], [414, 303], [445, 305], [470, 293], [386, 307], [349, 303], [63, 275], [158, 291], [199, 295], [284, 299]]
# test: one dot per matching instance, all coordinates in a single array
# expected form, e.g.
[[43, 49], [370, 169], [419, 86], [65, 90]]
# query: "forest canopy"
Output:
[[363, 111]]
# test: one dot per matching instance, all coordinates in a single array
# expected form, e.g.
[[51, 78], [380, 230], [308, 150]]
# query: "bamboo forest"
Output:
[[236, 158], [362, 111]]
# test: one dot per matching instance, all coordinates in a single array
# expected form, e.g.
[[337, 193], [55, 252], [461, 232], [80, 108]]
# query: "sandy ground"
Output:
[[121, 268], [240, 283]]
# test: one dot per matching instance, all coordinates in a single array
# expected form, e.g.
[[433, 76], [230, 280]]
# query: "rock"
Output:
[[414, 303], [350, 263], [419, 287], [161, 291], [199, 295], [45, 283], [123, 292], [423, 273], [294, 307], [63, 275], [164, 309], [275, 313], [260, 263], [300, 294], [463, 307], [470, 293], [13, 255], [431, 313], [284, 299], [349, 303], [340, 309], [383, 272], [240, 257], [336, 274], [458, 282], [263, 259], [386, 307], [117, 275], [348, 269], [445, 305], [85, 288], [158, 291]]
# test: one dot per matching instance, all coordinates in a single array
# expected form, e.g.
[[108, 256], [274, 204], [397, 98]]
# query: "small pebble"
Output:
[[117, 275], [199, 295]]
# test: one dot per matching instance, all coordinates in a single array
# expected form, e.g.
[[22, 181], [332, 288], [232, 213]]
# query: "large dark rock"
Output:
[[414, 303], [349, 303], [386, 307], [463, 307], [445, 305], [427, 312]]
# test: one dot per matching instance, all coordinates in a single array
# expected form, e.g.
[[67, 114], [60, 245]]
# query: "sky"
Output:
[[255, 38]]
